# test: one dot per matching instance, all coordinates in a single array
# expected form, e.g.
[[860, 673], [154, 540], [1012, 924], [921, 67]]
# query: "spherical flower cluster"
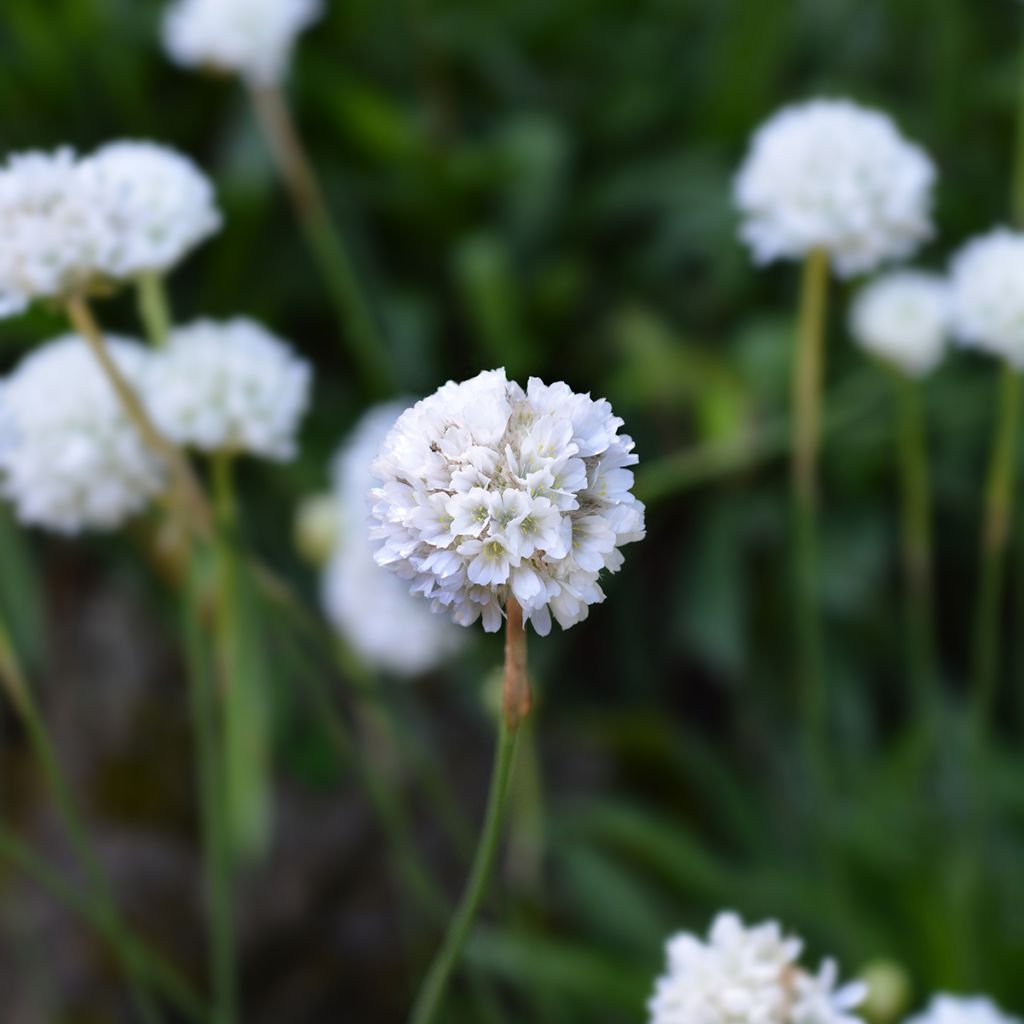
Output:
[[744, 975], [834, 176], [988, 294], [68, 225], [903, 318], [372, 609], [231, 387], [251, 38], [488, 491], [947, 1009], [156, 203], [70, 460]]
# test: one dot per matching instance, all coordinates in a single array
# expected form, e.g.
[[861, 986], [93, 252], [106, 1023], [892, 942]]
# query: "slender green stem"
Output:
[[516, 708], [994, 542], [153, 308], [358, 322], [216, 847], [808, 374]]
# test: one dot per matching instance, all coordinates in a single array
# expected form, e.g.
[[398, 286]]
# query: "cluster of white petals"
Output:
[[70, 460], [487, 491], [947, 1009], [372, 609], [832, 175], [747, 975], [230, 386], [251, 38], [988, 294], [68, 224], [904, 318]]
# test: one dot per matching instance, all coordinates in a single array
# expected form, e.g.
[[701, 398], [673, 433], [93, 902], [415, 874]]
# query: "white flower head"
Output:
[[988, 294], [230, 386], [903, 318], [251, 38], [157, 204], [70, 459], [747, 975], [949, 1009], [835, 176], [488, 491], [373, 610]]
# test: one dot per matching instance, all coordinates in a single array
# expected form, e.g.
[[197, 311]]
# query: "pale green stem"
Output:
[[153, 309]]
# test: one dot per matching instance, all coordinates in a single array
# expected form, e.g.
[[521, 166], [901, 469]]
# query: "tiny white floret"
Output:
[[950, 1009]]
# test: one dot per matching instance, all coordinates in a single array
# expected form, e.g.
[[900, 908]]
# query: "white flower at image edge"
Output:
[[950, 1009], [904, 318], [386, 626], [834, 176], [486, 490], [251, 38], [747, 975], [70, 460], [988, 295]]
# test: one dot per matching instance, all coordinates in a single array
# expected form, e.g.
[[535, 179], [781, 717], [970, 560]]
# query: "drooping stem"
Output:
[[516, 706], [994, 541], [153, 308], [357, 319], [916, 541], [808, 375], [188, 493]]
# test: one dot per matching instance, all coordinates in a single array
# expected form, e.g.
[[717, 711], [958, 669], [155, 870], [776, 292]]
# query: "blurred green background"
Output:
[[547, 187]]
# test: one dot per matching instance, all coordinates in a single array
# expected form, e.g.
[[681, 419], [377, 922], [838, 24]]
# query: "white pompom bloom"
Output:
[[157, 205], [948, 1009], [834, 176], [230, 386], [70, 459], [373, 610], [988, 294], [251, 38], [903, 318], [747, 975], [488, 491]]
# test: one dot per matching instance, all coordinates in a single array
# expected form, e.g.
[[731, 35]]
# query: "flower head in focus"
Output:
[[70, 459], [230, 386], [747, 975], [156, 204], [251, 38], [834, 176], [988, 294], [488, 491], [384, 624], [903, 318], [948, 1009]]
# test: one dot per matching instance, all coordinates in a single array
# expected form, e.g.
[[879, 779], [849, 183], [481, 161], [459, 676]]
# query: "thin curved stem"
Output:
[[516, 700], [153, 308]]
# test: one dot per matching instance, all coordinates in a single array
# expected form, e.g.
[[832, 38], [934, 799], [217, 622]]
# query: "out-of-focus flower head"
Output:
[[70, 459], [834, 176], [155, 202], [488, 491], [250, 38], [230, 386], [904, 318], [988, 294], [949, 1009], [386, 626], [747, 975]]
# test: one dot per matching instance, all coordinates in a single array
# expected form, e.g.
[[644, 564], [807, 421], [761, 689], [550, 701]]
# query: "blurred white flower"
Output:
[[988, 294], [251, 38], [903, 318], [835, 176], [156, 203], [372, 609], [230, 386], [747, 975], [70, 459], [948, 1009], [488, 491]]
